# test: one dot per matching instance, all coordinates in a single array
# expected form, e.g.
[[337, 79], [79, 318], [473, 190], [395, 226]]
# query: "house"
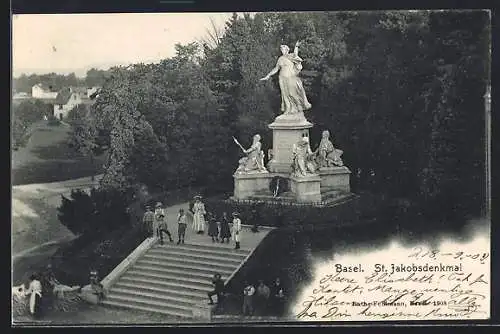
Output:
[[67, 98], [41, 91], [71, 97], [92, 90]]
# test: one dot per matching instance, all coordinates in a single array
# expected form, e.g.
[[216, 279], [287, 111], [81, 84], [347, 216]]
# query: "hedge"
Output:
[[73, 262], [276, 214]]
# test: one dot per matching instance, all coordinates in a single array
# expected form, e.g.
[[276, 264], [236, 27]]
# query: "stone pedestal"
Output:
[[202, 311], [246, 185], [335, 178], [287, 130], [89, 295], [307, 189]]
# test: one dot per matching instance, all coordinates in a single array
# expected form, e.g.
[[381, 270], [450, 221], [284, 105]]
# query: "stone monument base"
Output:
[[89, 295], [307, 189], [247, 185], [203, 311], [288, 129], [335, 178]]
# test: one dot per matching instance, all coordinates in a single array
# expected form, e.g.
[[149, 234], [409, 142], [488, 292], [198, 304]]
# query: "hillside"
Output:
[[34, 213]]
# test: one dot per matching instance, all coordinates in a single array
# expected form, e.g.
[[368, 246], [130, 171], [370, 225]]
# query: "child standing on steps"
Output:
[[225, 230], [161, 223], [236, 229], [213, 228], [181, 220]]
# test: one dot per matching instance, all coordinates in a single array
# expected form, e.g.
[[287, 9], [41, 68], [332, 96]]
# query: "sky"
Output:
[[65, 43]]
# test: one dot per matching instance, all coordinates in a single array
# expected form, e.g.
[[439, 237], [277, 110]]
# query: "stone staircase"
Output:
[[172, 279]]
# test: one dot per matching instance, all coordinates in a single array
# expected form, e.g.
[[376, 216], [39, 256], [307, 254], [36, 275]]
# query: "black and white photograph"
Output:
[[279, 167]]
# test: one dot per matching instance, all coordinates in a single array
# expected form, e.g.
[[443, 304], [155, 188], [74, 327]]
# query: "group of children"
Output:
[[220, 230], [223, 229]]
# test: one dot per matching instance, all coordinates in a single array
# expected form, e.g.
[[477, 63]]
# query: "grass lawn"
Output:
[[47, 158]]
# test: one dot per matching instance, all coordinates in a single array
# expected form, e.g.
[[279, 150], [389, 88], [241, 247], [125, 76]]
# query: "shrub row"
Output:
[[277, 214]]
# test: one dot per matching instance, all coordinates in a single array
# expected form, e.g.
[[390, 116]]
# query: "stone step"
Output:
[[162, 291], [215, 248], [186, 254], [172, 280], [189, 261], [154, 271], [143, 304], [180, 301], [166, 284], [187, 267]]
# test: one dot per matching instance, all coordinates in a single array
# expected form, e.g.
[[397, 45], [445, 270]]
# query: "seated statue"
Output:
[[326, 154], [303, 163], [254, 160]]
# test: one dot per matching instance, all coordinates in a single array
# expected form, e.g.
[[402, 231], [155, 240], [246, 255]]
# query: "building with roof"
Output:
[[67, 99], [41, 91], [71, 97]]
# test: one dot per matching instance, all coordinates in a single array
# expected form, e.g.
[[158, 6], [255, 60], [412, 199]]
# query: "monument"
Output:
[[313, 175]]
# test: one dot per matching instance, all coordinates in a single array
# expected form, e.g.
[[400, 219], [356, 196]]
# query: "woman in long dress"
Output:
[[225, 230], [35, 293], [213, 227], [199, 215], [293, 95]]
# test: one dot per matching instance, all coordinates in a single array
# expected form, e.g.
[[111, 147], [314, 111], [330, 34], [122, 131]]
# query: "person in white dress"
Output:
[[199, 215], [35, 293], [236, 230]]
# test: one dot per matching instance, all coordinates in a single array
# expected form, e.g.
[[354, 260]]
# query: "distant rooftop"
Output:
[[63, 96], [44, 87]]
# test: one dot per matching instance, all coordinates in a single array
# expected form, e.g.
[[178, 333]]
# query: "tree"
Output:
[[96, 77], [100, 211]]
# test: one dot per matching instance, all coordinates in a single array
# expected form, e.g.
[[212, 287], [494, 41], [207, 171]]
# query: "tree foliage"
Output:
[[24, 116], [94, 77], [401, 93], [100, 211]]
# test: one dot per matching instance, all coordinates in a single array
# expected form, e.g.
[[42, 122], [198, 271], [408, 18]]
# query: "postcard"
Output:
[[257, 167]]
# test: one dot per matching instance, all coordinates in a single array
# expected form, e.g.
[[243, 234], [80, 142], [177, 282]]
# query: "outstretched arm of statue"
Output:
[[273, 72]]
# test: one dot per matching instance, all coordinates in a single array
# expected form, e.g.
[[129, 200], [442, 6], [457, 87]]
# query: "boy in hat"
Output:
[[160, 223], [181, 221], [217, 291], [248, 293], [95, 284], [236, 229], [148, 220]]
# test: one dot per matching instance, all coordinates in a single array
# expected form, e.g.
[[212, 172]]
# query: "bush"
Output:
[[53, 121], [278, 214], [72, 263], [102, 210]]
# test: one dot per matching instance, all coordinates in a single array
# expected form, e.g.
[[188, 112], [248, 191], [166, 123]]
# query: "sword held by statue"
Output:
[[238, 143]]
